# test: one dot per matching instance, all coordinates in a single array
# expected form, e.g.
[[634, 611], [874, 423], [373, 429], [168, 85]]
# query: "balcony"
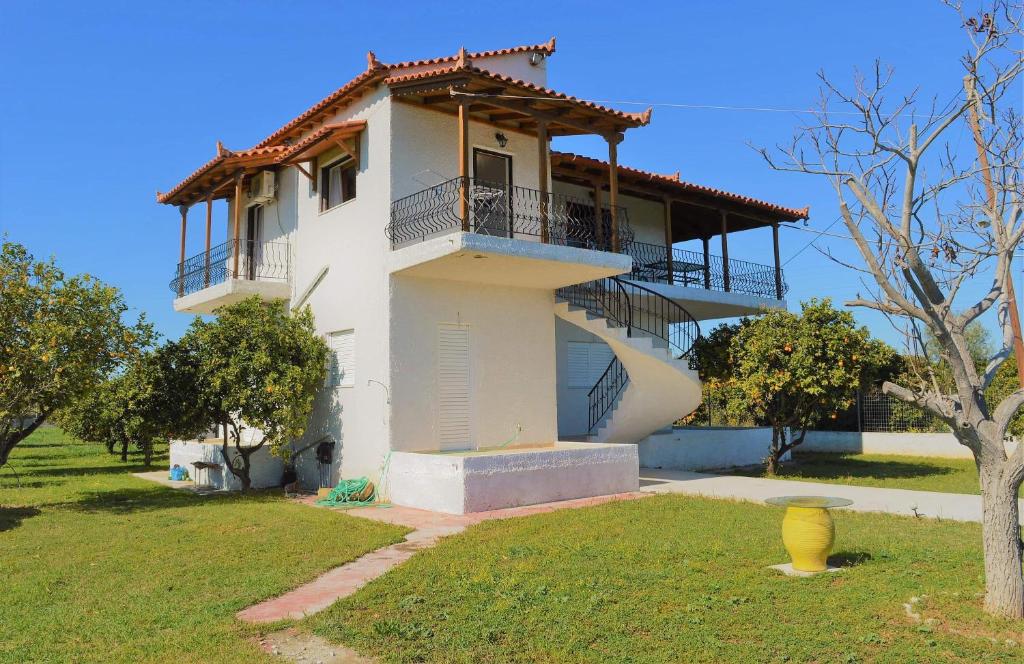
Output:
[[694, 270], [529, 238], [230, 272]]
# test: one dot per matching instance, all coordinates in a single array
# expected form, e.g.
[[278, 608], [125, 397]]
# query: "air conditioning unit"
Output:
[[262, 187]]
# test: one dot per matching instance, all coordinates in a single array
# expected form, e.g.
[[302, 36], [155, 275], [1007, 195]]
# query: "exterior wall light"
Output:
[[502, 139]]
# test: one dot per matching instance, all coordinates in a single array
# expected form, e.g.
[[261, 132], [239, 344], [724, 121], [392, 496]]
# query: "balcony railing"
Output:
[[257, 261], [503, 211], [650, 263]]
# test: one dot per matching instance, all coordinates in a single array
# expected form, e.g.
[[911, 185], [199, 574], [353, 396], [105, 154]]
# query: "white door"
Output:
[[454, 426]]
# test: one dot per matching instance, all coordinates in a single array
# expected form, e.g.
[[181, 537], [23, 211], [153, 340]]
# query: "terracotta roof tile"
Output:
[[675, 181], [372, 75], [640, 118], [546, 48], [225, 157]]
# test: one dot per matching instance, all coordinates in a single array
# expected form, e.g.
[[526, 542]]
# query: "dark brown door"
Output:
[[492, 193]]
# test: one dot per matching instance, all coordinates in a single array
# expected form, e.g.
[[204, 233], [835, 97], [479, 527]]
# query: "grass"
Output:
[[678, 579], [889, 471], [99, 566]]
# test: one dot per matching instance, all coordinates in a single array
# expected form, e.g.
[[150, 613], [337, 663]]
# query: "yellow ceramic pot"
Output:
[[808, 531], [808, 534]]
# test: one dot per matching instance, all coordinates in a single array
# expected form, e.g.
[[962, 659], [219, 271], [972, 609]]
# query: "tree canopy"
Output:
[[790, 369], [60, 337], [257, 367]]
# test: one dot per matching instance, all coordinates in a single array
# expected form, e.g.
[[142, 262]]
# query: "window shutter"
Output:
[[601, 355], [587, 362], [578, 358], [453, 393], [343, 359]]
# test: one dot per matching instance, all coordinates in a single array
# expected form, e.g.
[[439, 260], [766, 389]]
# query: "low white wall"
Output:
[[461, 484], [705, 448], [906, 444], [266, 469]]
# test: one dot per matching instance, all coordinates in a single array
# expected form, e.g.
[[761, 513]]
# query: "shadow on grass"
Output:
[[836, 466], [76, 471], [11, 517], [157, 497], [849, 558]]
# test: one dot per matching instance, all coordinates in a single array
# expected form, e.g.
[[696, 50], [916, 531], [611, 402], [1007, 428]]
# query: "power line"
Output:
[[706, 107], [813, 240]]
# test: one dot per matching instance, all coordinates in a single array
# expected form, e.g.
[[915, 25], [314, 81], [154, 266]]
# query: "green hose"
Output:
[[350, 493]]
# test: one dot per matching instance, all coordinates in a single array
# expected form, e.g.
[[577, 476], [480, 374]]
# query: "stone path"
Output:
[[952, 506], [429, 527]]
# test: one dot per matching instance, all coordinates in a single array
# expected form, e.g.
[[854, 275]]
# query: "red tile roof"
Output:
[[225, 158], [675, 182], [546, 48], [640, 118]]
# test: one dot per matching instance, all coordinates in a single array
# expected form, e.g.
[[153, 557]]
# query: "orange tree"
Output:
[[790, 369], [60, 336], [257, 367], [151, 401]]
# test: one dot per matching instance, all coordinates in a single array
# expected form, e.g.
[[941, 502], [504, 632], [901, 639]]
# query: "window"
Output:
[[587, 362], [337, 183], [342, 369], [454, 394]]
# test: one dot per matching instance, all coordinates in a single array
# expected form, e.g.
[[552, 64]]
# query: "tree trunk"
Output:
[[778, 448], [124, 451], [1000, 531]]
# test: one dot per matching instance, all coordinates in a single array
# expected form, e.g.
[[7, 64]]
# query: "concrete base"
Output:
[[787, 569], [477, 481], [266, 469], [706, 448]]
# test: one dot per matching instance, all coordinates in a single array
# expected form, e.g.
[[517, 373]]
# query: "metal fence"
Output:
[[880, 412]]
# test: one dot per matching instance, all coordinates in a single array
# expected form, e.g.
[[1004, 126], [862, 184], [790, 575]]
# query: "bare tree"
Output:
[[927, 220]]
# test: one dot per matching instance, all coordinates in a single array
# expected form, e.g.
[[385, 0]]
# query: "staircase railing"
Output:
[[641, 311]]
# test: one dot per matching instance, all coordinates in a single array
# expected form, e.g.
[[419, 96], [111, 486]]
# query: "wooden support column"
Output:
[[209, 222], [464, 164], [237, 214], [707, 263], [778, 263], [613, 186], [181, 261], [725, 250], [599, 234], [668, 240], [543, 166]]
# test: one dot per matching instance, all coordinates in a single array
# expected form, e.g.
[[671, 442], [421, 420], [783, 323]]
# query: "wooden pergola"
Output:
[[472, 94], [223, 177], [690, 211]]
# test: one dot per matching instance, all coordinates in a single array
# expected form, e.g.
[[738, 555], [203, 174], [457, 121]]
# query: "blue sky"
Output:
[[101, 104]]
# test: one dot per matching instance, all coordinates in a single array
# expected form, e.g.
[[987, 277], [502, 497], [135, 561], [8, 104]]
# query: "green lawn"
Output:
[[99, 566], [889, 471], [677, 579]]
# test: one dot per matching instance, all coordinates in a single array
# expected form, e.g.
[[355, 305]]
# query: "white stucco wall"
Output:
[[265, 471], [460, 484], [512, 355], [349, 239], [706, 448], [646, 218], [904, 444], [426, 149]]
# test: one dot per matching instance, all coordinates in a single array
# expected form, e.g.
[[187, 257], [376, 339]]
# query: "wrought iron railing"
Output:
[[643, 312], [503, 211], [605, 392], [257, 261], [650, 263]]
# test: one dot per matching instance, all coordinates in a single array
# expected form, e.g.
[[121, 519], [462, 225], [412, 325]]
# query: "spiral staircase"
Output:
[[649, 384]]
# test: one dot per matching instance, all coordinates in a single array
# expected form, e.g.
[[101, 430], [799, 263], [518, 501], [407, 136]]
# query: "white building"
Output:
[[479, 309]]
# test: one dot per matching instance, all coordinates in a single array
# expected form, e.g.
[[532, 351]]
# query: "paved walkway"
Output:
[[952, 506], [429, 527]]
